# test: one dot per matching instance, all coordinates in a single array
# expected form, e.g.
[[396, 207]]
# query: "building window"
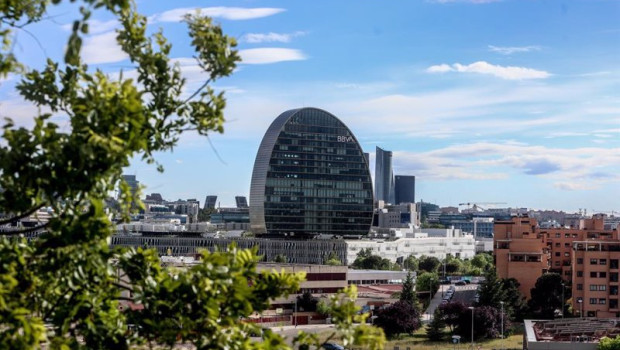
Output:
[[557, 235], [574, 235], [613, 263], [602, 274], [557, 244], [592, 300], [567, 235], [579, 261], [613, 303], [602, 287], [602, 262], [557, 253], [592, 274], [593, 261], [579, 273], [566, 245], [566, 254], [579, 286], [613, 290], [593, 287], [557, 263], [602, 301], [613, 276]]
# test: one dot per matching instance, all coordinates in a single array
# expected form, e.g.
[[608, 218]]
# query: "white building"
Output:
[[454, 242]]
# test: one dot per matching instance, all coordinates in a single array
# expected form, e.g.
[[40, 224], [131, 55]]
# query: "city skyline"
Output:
[[480, 100]]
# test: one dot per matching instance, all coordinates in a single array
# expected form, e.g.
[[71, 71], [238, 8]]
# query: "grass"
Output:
[[418, 341]]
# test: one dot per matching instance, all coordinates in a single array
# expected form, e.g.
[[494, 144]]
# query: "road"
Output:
[[464, 294]]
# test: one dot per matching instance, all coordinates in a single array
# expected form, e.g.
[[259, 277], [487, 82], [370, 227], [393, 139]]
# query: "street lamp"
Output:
[[472, 326], [580, 301], [563, 299], [502, 318]]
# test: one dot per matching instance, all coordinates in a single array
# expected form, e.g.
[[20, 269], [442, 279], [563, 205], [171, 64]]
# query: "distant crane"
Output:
[[476, 205]]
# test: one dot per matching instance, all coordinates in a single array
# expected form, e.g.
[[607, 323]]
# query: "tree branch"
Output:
[[196, 92], [118, 285], [26, 230], [20, 216]]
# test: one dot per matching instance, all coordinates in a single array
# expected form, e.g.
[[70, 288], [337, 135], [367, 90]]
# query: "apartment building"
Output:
[[520, 251], [582, 254], [595, 277]]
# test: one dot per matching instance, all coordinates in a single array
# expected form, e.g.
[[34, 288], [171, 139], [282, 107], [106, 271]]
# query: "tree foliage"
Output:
[[427, 281], [487, 323], [367, 261], [408, 294], [515, 304], [332, 259], [400, 317], [491, 291], [64, 288], [546, 296], [435, 328], [483, 261], [451, 313], [609, 343], [428, 263], [411, 263], [307, 302]]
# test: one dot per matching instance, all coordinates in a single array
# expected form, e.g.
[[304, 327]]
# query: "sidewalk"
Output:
[[435, 302]]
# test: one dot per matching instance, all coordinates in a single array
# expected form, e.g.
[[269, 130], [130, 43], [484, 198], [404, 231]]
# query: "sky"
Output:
[[483, 101]]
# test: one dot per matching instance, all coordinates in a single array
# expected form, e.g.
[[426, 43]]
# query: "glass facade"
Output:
[[404, 191], [310, 177], [384, 177]]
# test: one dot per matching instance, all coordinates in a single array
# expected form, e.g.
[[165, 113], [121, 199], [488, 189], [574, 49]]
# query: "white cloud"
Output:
[[572, 186], [230, 13], [255, 38], [509, 50], [270, 55], [482, 67], [569, 168], [440, 68], [102, 48], [95, 26]]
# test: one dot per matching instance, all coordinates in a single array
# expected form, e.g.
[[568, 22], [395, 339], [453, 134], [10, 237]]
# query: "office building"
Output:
[[296, 251], [241, 201], [310, 177], [453, 242], [404, 189], [210, 202], [133, 183], [384, 176], [396, 216]]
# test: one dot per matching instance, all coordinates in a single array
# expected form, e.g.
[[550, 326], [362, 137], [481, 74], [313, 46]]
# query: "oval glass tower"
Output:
[[310, 177]]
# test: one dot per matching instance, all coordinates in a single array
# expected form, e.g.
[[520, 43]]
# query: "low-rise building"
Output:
[[568, 334], [457, 244]]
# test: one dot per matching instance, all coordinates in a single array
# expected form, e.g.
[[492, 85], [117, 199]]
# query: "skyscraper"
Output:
[[404, 189], [384, 176], [310, 177], [242, 202], [210, 202]]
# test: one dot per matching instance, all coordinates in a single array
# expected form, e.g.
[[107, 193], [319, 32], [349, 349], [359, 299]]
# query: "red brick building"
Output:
[[525, 251]]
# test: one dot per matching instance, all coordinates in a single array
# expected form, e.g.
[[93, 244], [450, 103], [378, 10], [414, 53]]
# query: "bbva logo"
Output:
[[345, 138]]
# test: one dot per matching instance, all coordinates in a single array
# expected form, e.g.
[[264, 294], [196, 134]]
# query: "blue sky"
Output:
[[499, 101]]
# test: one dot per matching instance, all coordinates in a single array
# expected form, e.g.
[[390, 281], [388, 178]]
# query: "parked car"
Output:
[[460, 283], [332, 346]]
